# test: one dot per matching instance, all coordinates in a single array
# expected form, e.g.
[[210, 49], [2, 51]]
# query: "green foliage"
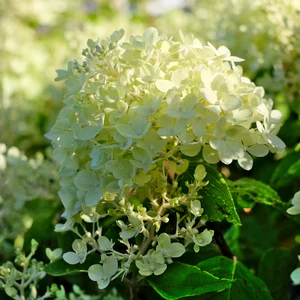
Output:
[[181, 280], [258, 233], [290, 132], [138, 112], [246, 192], [275, 268], [243, 283], [217, 200], [45, 221], [192, 258], [61, 268], [287, 170], [232, 238], [19, 278]]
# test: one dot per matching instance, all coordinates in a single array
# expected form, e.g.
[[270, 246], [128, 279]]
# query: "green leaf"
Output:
[[45, 221], [243, 285], [232, 236], [287, 170], [181, 280], [275, 269], [290, 132], [190, 257], [217, 200], [61, 268], [294, 170], [246, 192]]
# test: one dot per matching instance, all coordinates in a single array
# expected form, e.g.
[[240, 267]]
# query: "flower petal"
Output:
[[103, 283], [159, 269], [164, 240], [296, 199], [164, 85], [71, 258], [191, 149], [258, 150], [231, 103], [175, 250], [95, 272], [295, 276], [198, 127], [210, 155], [275, 141], [110, 266], [246, 162], [294, 210]]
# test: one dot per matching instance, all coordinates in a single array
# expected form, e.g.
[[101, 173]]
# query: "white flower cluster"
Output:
[[134, 112], [23, 178], [27, 80], [146, 244], [258, 30], [131, 105]]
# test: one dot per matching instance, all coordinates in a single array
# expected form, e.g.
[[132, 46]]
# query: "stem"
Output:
[[221, 242], [30, 279], [145, 244], [22, 285], [133, 287]]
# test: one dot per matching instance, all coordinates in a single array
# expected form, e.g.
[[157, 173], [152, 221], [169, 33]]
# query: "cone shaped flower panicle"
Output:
[[132, 102], [136, 113]]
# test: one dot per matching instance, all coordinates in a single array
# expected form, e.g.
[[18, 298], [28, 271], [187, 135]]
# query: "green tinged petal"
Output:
[[200, 172], [104, 243], [191, 149], [164, 85], [103, 283], [93, 196], [95, 272], [71, 258], [175, 250], [110, 266], [159, 269], [164, 240]]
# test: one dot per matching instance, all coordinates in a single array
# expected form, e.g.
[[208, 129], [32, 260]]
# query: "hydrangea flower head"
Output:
[[132, 104], [134, 112]]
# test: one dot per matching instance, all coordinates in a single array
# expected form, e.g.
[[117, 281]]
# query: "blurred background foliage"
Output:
[[40, 36]]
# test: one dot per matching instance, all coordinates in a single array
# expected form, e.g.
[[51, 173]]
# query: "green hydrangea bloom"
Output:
[[154, 88], [132, 111]]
